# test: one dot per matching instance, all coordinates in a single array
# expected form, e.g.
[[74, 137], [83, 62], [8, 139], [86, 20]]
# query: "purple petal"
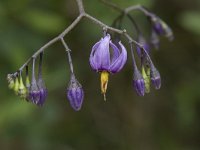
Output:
[[91, 60], [102, 54], [118, 64], [139, 86], [75, 96], [116, 52]]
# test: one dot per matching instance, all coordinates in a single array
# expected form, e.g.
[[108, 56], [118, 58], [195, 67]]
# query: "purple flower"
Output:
[[144, 43], [155, 77], [106, 56], [75, 93], [161, 28], [138, 83]]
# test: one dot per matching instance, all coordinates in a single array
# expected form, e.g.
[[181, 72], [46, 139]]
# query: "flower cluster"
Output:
[[34, 91], [106, 58]]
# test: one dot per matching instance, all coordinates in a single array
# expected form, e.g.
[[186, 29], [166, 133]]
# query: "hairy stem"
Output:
[[69, 56]]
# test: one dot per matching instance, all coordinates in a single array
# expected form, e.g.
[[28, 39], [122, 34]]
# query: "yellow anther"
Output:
[[104, 82]]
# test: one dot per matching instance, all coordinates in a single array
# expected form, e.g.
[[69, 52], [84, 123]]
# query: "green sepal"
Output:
[[16, 86]]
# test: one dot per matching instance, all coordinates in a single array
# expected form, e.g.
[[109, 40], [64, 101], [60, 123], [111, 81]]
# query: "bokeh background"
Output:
[[168, 119]]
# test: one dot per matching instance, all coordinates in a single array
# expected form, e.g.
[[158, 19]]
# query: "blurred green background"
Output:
[[168, 119]]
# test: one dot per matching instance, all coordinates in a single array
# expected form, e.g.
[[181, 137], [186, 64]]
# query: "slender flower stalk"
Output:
[[27, 84], [138, 81], [41, 84], [75, 93], [34, 92]]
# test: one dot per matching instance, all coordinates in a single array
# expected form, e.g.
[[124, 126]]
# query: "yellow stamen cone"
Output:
[[104, 82]]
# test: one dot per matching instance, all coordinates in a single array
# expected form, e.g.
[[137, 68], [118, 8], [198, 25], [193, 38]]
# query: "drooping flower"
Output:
[[138, 82], [22, 89], [155, 77], [160, 27], [107, 58], [11, 81], [41, 85], [75, 93], [16, 86], [34, 92]]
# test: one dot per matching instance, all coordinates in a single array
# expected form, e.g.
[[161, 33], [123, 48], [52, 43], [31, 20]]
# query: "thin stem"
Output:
[[66, 31], [33, 71], [138, 7], [69, 56], [40, 66], [134, 23], [126, 12], [72, 25], [103, 25], [133, 57], [80, 6], [112, 5], [26, 71]]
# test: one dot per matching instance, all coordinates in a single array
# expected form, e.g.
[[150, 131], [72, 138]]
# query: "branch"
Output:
[[83, 14]]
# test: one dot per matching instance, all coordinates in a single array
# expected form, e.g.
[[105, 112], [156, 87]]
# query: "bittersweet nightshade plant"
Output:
[[107, 57]]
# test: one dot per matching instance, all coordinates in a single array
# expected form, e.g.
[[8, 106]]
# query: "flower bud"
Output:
[[22, 89], [146, 76], [155, 77], [34, 93], [138, 83], [16, 86], [161, 28], [43, 92], [11, 82], [75, 93]]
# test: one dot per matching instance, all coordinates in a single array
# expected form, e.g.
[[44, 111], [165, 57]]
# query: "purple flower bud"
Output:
[[144, 43], [155, 77], [106, 56], [40, 83], [138, 83], [75, 93], [161, 28], [34, 93], [43, 92]]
